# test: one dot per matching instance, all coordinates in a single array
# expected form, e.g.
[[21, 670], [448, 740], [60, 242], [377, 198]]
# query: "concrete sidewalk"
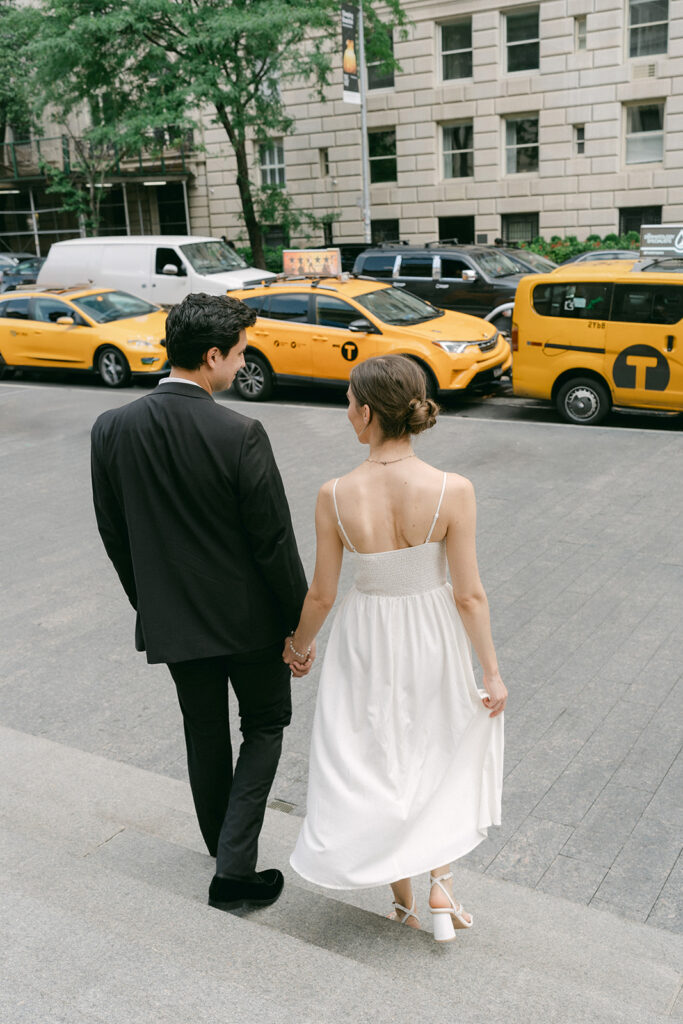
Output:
[[105, 921]]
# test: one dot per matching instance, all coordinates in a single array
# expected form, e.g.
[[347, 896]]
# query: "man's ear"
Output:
[[210, 356]]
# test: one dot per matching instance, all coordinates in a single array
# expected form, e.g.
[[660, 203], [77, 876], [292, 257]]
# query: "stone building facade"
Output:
[[559, 117]]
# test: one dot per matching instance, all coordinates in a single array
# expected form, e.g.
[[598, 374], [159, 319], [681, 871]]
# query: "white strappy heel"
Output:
[[398, 909], [447, 919]]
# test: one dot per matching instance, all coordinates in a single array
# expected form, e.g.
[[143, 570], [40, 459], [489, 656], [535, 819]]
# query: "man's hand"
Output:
[[297, 667]]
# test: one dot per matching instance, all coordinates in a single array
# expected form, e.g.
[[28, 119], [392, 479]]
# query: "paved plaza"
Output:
[[581, 553]]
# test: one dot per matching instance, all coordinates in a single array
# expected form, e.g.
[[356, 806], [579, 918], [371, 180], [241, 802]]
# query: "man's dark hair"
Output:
[[201, 322]]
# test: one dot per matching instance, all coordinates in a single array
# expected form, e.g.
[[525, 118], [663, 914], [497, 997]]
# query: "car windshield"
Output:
[[395, 307], [104, 307], [535, 260], [497, 264], [212, 257]]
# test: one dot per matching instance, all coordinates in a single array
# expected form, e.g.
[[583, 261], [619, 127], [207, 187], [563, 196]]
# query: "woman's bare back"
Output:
[[383, 508]]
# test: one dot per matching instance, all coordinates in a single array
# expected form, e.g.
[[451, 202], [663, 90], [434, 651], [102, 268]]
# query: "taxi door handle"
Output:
[[670, 342], [260, 334], [319, 337]]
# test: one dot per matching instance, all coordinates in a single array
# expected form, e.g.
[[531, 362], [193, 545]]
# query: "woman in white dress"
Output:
[[406, 757]]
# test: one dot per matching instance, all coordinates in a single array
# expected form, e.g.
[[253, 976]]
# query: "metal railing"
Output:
[[22, 159]]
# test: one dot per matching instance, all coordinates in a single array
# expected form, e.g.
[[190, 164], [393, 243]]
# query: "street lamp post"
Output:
[[365, 156]]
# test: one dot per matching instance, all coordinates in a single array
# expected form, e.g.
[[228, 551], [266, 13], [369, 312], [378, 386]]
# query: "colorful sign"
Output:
[[349, 22], [311, 262]]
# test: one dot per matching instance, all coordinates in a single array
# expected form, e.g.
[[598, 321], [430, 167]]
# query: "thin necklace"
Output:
[[388, 462]]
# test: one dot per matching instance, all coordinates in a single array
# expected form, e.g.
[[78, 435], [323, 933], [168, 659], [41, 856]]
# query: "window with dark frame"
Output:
[[521, 145], [580, 139], [648, 27], [519, 227], [384, 230], [458, 150], [456, 50], [324, 159], [645, 133], [381, 75], [631, 218], [585, 300], [382, 153], [522, 40]]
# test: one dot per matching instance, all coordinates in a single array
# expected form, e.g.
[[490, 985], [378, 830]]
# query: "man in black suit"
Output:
[[192, 512]]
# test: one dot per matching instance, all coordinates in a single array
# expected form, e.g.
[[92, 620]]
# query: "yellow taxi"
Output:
[[111, 332], [316, 330], [591, 335]]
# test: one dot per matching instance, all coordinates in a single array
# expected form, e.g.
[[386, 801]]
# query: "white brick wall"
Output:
[[570, 193]]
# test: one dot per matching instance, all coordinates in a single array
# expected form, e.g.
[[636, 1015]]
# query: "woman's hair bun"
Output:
[[422, 413]]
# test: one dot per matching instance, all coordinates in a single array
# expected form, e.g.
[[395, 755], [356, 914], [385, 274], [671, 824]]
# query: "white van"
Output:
[[160, 268]]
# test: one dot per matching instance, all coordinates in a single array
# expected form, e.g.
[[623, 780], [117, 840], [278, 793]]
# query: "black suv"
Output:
[[476, 279]]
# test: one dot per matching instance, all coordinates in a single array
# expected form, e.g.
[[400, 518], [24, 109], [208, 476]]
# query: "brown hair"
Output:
[[394, 389]]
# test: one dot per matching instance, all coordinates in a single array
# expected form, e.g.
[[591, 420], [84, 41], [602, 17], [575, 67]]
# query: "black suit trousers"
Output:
[[231, 803]]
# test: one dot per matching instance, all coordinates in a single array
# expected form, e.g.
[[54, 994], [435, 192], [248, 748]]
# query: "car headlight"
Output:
[[141, 344], [455, 346]]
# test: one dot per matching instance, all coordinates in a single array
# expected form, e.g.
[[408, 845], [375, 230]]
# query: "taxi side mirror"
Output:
[[361, 326], [67, 321]]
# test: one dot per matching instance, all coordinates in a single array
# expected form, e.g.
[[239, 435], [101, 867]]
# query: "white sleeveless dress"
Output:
[[406, 766]]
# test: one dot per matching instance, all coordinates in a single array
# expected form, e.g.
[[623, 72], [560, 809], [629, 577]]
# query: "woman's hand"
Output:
[[298, 667], [497, 694]]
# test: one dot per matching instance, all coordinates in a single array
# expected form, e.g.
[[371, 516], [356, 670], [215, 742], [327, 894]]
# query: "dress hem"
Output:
[[406, 874]]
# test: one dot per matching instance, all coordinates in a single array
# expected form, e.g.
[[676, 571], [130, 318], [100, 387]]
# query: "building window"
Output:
[[382, 151], [384, 231], [272, 160], [631, 218], [381, 76], [324, 159], [521, 145], [579, 139], [580, 33], [456, 50], [645, 134], [519, 227], [458, 151], [456, 229], [274, 236], [648, 27], [522, 40]]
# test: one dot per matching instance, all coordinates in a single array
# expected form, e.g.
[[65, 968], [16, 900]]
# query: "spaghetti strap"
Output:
[[339, 522], [438, 509]]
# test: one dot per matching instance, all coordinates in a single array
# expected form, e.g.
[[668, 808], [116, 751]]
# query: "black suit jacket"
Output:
[[192, 511]]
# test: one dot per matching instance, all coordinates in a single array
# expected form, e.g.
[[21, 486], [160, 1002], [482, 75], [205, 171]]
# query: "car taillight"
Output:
[[514, 337]]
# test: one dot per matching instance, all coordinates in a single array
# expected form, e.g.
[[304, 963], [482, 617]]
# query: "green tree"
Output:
[[230, 57], [18, 26]]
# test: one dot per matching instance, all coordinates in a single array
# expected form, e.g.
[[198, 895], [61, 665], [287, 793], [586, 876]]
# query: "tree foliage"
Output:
[[18, 26], [138, 62]]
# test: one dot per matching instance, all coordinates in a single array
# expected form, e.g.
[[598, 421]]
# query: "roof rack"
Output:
[[389, 245], [442, 241]]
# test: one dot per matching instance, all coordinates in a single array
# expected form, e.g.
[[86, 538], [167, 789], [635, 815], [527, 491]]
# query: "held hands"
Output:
[[292, 656], [497, 694]]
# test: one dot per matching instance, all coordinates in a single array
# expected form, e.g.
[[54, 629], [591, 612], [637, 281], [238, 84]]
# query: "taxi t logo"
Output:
[[641, 366], [349, 350]]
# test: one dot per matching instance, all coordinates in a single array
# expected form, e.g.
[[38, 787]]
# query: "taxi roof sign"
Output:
[[661, 240], [311, 262]]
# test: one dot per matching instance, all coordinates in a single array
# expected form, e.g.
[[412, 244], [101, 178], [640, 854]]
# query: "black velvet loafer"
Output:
[[231, 893]]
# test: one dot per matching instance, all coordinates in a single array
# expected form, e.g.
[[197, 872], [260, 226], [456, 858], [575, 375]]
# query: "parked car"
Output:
[[24, 272], [476, 279], [602, 254], [109, 332], [531, 262], [315, 331], [160, 268], [596, 334]]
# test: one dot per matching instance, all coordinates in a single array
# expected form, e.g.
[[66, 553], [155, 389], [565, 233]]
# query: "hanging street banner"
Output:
[[350, 69]]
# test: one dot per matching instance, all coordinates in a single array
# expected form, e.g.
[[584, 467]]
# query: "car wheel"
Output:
[[254, 382], [431, 387], [583, 400], [113, 367]]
